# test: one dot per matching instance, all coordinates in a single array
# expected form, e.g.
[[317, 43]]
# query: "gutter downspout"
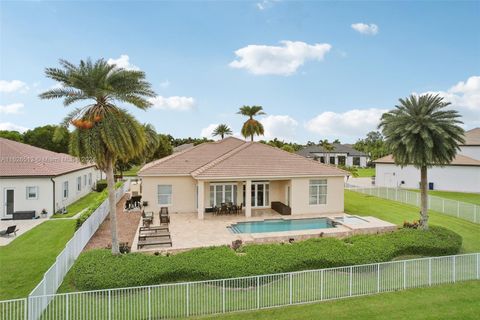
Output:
[[53, 207]]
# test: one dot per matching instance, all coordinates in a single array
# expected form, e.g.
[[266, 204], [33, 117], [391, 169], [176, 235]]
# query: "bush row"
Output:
[[99, 269], [94, 205]]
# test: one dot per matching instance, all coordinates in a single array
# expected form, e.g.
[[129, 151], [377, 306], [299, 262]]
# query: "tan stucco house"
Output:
[[209, 174]]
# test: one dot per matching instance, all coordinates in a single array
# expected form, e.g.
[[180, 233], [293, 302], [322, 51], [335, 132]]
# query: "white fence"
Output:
[[53, 278], [246, 293], [463, 210]]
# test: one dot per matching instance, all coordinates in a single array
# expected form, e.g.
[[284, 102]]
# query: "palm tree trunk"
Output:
[[423, 198], [113, 206], [251, 138]]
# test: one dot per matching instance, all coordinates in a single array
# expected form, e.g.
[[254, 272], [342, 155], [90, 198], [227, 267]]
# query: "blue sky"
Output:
[[319, 69]]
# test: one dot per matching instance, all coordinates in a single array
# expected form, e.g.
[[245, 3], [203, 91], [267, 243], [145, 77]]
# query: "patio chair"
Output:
[[9, 231], [224, 208], [163, 215], [239, 208]]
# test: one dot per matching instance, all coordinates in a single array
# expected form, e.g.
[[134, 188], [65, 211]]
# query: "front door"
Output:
[[9, 201]]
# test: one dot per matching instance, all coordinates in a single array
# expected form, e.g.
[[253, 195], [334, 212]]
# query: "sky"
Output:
[[320, 69]]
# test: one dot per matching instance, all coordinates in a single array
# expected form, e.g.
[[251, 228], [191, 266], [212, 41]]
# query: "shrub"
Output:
[[101, 185], [413, 225], [98, 269]]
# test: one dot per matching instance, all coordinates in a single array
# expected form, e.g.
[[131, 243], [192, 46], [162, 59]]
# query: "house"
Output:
[[182, 147], [33, 179], [462, 174], [204, 176], [341, 154]]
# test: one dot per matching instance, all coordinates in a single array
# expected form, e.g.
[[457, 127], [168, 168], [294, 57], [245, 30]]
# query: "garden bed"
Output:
[[98, 269]]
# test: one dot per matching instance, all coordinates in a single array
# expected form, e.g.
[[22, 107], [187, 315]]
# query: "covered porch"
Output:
[[249, 197]]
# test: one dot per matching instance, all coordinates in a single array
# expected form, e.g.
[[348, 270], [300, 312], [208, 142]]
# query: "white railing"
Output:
[[462, 210], [53, 278], [250, 293]]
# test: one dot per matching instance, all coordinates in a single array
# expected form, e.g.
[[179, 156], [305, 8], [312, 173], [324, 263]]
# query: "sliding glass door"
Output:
[[222, 193], [260, 194]]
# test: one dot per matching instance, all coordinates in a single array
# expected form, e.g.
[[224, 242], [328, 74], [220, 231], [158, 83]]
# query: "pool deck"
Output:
[[188, 232]]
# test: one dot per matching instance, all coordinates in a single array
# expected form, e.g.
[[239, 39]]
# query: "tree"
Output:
[[44, 137], [164, 147], [11, 135], [222, 130], [336, 141], [420, 131], [327, 148], [104, 132], [373, 145], [252, 127], [288, 148]]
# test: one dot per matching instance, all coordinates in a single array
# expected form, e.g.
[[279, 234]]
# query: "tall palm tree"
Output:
[[252, 127], [327, 148], [420, 131], [104, 132], [222, 130]]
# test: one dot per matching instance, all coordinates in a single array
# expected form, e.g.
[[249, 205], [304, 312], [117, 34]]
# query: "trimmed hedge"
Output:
[[98, 269], [101, 185]]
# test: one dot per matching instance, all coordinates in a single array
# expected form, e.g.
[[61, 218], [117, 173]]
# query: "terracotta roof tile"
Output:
[[472, 137], [19, 159]]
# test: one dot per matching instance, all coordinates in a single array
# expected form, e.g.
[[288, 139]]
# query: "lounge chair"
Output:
[[163, 215], [9, 231]]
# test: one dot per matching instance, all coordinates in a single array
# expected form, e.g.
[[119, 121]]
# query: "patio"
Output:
[[188, 232], [23, 226]]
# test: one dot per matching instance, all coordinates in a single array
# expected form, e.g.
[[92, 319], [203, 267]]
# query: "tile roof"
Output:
[[182, 147], [472, 137], [310, 151], [19, 159], [232, 157], [459, 160]]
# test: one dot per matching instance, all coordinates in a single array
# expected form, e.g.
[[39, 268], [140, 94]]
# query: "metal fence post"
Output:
[[405, 274], [478, 265], [223, 296], [149, 303], [258, 292], [66, 306], [454, 276], [290, 289], [188, 300], [350, 281], [322, 280], [109, 304], [378, 277], [430, 272]]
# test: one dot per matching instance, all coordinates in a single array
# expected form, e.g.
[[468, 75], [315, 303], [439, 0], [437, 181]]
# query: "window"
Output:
[[356, 161], [318, 191], [90, 179], [332, 160], [65, 189], [322, 159], [32, 193], [84, 180], [79, 183], [164, 194], [341, 160], [222, 193]]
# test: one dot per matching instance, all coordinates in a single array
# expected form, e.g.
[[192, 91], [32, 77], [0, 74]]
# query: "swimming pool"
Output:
[[351, 220], [278, 225]]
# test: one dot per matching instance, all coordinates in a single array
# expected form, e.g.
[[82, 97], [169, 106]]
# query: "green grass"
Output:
[[396, 212], [366, 172], [79, 205], [24, 261], [459, 196], [453, 301], [132, 172]]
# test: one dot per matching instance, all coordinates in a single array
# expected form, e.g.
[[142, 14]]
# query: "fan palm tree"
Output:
[[420, 131], [252, 127], [327, 148], [222, 130], [104, 132]]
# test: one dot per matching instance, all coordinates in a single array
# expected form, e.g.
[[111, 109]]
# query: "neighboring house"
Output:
[[209, 174], [342, 154], [33, 179], [462, 174]]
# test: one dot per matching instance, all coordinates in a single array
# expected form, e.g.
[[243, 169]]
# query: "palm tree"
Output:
[[251, 127], [422, 133], [327, 148], [104, 132], [222, 130]]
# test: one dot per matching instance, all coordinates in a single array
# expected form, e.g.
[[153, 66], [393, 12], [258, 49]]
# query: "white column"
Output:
[[239, 193], [248, 198], [201, 199]]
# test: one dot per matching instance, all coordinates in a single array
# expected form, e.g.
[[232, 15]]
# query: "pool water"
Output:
[[278, 225], [351, 220]]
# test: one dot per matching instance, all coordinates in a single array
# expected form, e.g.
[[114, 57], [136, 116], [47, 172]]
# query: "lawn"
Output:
[[396, 212], [365, 172], [24, 261], [453, 301], [459, 196], [80, 204]]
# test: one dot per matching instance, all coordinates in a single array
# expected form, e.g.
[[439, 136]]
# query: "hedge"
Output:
[[94, 205], [98, 269]]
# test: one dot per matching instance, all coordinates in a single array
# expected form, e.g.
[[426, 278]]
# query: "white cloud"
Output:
[[165, 84], [208, 131], [13, 108], [353, 123], [363, 28], [11, 127], [278, 60], [282, 127], [12, 86], [265, 4], [123, 62], [173, 103]]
